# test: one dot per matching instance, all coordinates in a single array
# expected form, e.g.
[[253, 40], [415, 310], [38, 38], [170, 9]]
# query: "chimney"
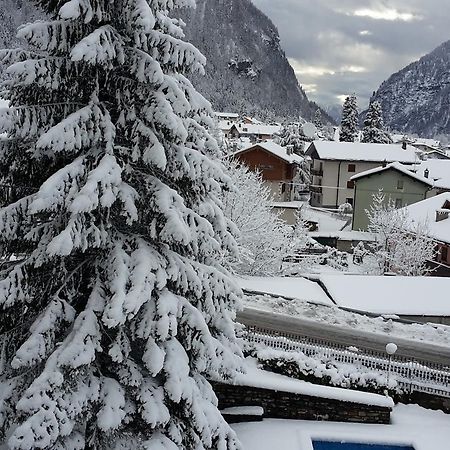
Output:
[[426, 173], [289, 149], [442, 214], [404, 145]]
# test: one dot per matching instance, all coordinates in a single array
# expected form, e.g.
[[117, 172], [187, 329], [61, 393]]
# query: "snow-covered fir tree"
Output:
[[373, 131], [115, 310], [264, 238], [399, 246], [291, 136], [349, 121], [318, 120]]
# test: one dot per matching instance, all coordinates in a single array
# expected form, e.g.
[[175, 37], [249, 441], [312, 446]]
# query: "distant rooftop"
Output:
[[424, 212], [226, 114], [357, 151]]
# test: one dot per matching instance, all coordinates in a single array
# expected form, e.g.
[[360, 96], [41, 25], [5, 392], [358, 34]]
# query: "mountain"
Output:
[[417, 98], [247, 71]]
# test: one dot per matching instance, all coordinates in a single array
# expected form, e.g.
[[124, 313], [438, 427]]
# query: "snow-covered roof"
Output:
[[399, 168], [428, 142], [227, 115], [411, 296], [274, 149], [438, 171], [425, 212], [357, 151], [225, 125], [290, 287], [326, 220], [262, 129]]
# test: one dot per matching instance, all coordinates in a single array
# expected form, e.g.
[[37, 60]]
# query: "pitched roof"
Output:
[[424, 212], [394, 166], [274, 149], [415, 296], [358, 151], [252, 128]]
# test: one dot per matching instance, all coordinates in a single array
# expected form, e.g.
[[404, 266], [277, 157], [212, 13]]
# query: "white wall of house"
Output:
[[334, 181]]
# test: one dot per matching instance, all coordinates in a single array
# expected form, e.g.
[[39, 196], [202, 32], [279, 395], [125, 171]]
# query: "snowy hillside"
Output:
[[247, 70], [417, 98]]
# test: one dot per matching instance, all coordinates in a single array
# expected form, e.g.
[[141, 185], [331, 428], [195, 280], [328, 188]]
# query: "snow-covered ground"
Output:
[[430, 333], [411, 425]]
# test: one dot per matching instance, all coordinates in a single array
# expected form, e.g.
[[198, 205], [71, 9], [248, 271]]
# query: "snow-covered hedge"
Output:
[[326, 372]]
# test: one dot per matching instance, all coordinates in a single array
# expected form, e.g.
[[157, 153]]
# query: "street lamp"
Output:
[[391, 348]]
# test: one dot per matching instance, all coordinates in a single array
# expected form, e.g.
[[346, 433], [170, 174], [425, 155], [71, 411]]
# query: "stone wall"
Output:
[[285, 405]]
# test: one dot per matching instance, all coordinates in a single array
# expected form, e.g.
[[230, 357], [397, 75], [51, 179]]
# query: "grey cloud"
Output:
[[324, 34]]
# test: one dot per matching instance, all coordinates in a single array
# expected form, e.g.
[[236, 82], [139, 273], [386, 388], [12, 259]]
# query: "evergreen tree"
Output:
[[373, 126], [349, 121], [291, 136], [115, 310], [318, 119]]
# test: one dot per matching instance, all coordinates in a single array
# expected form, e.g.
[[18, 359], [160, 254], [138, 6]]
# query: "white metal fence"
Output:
[[411, 374]]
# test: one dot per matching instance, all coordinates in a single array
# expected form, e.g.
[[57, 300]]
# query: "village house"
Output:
[[434, 212], [228, 117], [254, 132], [335, 163], [276, 165], [398, 183]]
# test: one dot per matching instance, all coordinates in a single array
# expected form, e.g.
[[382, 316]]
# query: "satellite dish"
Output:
[[309, 130]]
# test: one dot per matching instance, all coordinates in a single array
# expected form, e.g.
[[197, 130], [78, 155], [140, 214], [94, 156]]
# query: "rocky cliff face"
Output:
[[247, 70], [417, 98]]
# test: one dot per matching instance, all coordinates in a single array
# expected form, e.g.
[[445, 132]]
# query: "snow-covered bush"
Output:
[[264, 238], [398, 247], [118, 312], [325, 371]]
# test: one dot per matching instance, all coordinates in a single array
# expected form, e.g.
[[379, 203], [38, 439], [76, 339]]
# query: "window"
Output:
[[351, 168], [349, 200], [350, 184], [283, 188], [444, 254], [398, 203], [399, 185]]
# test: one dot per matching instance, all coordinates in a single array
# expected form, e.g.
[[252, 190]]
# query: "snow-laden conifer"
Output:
[[349, 121], [373, 131], [115, 311]]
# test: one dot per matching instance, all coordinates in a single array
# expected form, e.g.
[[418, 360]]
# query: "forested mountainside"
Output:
[[247, 71], [417, 98], [13, 13]]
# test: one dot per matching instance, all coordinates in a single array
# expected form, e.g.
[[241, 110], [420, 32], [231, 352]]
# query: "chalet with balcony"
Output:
[[335, 163]]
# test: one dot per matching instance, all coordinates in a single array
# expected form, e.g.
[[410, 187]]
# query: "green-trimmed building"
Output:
[[398, 182]]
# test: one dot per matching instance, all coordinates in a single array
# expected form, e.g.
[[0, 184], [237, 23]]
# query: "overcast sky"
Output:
[[337, 47]]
